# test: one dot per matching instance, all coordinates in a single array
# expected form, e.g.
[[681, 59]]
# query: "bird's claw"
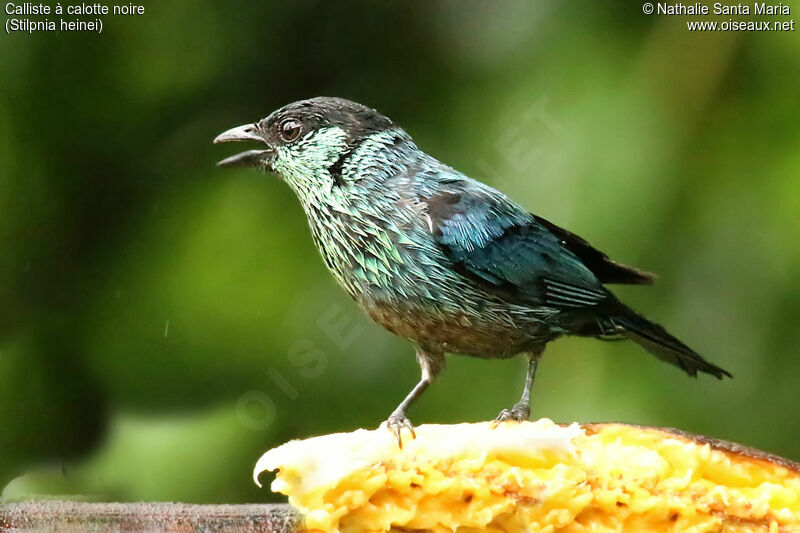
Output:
[[519, 413], [396, 423]]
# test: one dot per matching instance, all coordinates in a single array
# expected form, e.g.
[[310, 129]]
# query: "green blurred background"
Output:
[[163, 322]]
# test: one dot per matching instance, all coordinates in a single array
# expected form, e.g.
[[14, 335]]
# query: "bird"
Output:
[[438, 258]]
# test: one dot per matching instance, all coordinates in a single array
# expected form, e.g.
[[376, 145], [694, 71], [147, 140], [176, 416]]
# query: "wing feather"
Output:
[[509, 251]]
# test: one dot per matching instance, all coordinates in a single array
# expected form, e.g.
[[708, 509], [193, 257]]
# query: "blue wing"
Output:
[[516, 254]]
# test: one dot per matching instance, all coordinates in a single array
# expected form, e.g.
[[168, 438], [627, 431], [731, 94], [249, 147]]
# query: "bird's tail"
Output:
[[655, 339]]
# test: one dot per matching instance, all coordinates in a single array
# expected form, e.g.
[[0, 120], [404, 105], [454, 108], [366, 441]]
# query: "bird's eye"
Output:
[[290, 130]]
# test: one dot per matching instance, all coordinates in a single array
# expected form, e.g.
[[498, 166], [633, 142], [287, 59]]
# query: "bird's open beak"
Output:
[[250, 158]]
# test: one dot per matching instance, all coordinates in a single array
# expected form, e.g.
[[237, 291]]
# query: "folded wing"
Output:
[[519, 255]]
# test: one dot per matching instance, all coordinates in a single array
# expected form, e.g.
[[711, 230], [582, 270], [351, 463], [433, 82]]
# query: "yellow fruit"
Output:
[[534, 476]]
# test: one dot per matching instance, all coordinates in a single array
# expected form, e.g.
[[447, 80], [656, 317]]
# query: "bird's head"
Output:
[[307, 142]]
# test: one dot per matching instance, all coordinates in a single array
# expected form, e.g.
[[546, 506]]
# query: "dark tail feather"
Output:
[[657, 341]]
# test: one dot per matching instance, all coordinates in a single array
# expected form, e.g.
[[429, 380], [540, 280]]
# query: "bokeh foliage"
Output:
[[163, 322]]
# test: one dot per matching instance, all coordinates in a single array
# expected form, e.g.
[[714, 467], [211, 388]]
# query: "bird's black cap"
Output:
[[359, 121]]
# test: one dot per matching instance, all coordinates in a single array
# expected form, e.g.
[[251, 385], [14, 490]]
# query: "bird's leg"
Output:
[[522, 409], [431, 363]]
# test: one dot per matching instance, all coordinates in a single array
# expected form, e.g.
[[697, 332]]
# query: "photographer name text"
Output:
[[718, 8]]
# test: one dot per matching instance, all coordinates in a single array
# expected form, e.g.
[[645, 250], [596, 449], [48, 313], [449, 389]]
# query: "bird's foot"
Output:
[[396, 423], [521, 412]]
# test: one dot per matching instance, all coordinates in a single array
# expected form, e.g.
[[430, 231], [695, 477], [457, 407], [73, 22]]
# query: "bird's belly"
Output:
[[420, 298], [458, 332]]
